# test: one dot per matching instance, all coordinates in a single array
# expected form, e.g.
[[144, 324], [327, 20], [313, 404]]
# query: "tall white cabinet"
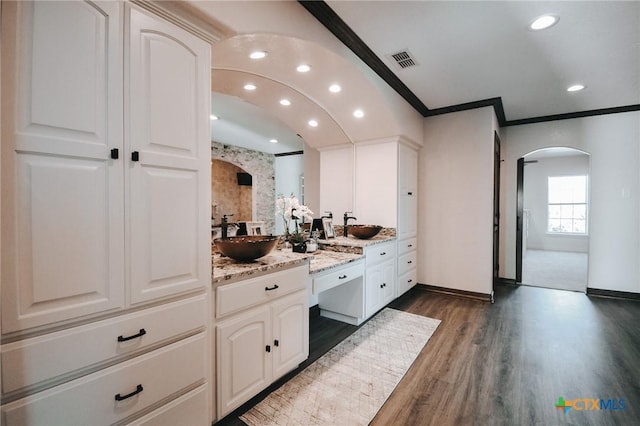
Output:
[[386, 193], [105, 223]]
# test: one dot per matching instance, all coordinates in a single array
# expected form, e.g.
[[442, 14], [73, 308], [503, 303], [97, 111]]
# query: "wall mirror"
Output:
[[254, 157]]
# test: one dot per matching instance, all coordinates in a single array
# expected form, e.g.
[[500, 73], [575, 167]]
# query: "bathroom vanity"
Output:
[[261, 308]]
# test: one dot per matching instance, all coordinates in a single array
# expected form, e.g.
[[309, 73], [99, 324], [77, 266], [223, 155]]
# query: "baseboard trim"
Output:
[[507, 281], [598, 292], [485, 297]]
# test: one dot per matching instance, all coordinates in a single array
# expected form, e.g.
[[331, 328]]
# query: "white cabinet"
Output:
[[77, 163], [376, 183], [336, 180], [407, 218], [105, 199], [62, 194], [380, 276], [407, 192], [386, 193], [168, 95], [262, 336]]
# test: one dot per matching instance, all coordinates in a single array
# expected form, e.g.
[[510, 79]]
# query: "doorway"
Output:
[[552, 234]]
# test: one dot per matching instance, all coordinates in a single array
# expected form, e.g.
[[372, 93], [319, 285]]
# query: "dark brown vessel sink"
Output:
[[246, 248], [364, 231]]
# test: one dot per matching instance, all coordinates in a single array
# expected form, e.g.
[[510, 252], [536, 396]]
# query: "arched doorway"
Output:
[[553, 219]]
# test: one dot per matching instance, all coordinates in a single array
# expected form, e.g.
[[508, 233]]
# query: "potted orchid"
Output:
[[292, 211]]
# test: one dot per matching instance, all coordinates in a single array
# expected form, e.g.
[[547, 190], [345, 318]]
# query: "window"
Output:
[[567, 205]]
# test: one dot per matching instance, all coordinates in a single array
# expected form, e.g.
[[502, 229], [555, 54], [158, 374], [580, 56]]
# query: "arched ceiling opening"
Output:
[[275, 78]]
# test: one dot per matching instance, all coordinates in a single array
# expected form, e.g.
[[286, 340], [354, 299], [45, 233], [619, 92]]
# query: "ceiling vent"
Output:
[[404, 59]]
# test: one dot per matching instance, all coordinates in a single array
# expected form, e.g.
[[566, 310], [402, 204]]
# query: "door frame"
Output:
[[496, 209], [519, 217]]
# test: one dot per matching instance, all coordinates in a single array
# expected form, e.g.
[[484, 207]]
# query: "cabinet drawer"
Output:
[[46, 357], [235, 297], [338, 276], [406, 262], [380, 252], [406, 282], [407, 245], [91, 400], [190, 409]]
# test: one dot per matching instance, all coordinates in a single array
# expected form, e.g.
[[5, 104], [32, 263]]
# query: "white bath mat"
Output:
[[349, 384]]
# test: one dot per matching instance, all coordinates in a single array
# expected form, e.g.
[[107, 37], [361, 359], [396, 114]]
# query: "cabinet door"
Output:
[[243, 363], [407, 192], [62, 193], [168, 158], [336, 181], [290, 333], [373, 288], [376, 183], [387, 292]]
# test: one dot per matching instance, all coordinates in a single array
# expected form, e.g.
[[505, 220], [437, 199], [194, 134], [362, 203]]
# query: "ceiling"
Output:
[[482, 52], [468, 54]]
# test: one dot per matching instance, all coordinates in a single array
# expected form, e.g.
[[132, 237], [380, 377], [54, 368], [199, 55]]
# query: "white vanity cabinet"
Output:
[[407, 230], [105, 215], [262, 333], [386, 193], [380, 276]]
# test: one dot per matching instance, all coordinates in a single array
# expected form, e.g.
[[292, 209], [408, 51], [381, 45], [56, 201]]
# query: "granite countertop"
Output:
[[352, 241], [323, 260], [225, 269]]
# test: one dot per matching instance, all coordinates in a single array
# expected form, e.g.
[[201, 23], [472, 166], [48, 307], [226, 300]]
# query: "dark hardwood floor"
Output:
[[508, 363]]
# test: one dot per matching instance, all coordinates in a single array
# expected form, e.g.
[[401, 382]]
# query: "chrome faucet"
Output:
[[346, 219]]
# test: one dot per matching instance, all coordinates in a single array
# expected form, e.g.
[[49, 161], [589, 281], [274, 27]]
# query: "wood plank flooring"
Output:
[[507, 363]]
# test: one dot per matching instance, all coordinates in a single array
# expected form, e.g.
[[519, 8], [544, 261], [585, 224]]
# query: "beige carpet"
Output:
[[349, 384], [561, 270]]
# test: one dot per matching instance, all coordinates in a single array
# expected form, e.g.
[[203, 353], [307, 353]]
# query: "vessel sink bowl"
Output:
[[364, 231], [247, 247]]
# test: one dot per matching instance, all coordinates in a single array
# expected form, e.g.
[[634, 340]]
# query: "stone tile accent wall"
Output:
[[261, 166], [226, 195]]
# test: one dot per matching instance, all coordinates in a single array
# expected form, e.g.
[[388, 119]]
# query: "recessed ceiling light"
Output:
[[335, 88], [313, 123], [273, 140], [358, 113], [258, 54], [249, 86], [303, 68], [576, 88], [285, 102], [213, 117], [543, 22]]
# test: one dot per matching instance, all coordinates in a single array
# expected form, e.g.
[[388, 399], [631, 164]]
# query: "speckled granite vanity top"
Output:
[[335, 252], [344, 243], [225, 269]]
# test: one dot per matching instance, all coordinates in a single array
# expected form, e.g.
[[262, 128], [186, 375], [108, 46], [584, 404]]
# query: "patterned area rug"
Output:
[[349, 384]]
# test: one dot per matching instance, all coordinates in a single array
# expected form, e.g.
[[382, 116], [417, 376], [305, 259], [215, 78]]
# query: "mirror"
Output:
[[255, 157]]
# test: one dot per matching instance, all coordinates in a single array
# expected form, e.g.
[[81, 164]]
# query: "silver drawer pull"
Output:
[[275, 286], [342, 277]]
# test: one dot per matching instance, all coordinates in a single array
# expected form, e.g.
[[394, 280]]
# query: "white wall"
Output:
[[455, 202], [614, 144], [536, 176]]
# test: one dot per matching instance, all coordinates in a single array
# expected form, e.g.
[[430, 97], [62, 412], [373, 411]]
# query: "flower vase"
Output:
[[299, 247]]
